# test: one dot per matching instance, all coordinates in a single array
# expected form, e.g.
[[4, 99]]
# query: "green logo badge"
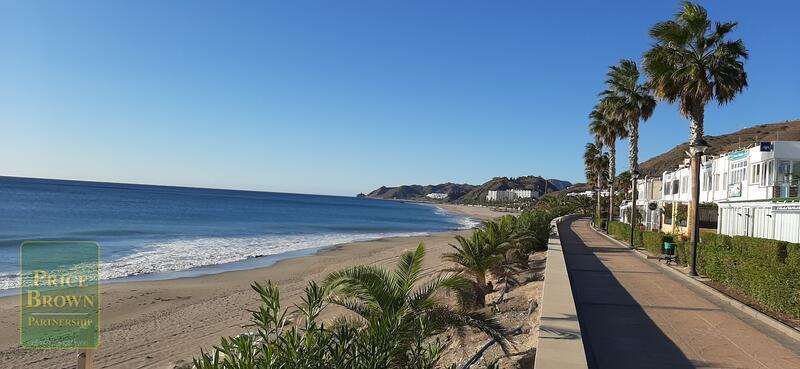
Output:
[[59, 294]]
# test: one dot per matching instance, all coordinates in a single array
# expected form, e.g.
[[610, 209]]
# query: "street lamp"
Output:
[[634, 177], [697, 149], [610, 203]]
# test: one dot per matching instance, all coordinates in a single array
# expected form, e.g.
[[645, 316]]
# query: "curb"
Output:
[[560, 336], [721, 297]]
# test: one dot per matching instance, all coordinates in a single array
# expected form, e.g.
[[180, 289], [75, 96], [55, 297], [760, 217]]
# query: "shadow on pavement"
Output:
[[617, 333]]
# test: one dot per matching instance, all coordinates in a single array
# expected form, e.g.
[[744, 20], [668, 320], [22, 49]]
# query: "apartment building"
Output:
[[511, 195], [749, 192]]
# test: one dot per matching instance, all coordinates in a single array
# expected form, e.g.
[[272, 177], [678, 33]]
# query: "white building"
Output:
[[511, 195], [648, 199], [437, 195], [755, 190]]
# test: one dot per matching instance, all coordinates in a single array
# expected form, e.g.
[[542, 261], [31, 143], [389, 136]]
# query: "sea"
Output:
[[150, 232]]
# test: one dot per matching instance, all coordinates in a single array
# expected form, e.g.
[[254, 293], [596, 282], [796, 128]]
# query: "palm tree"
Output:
[[606, 130], [630, 101], [402, 306], [595, 162], [623, 180], [477, 255], [693, 64]]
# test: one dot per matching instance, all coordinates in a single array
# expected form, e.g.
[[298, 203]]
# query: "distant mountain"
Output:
[[468, 192], [786, 131], [454, 191]]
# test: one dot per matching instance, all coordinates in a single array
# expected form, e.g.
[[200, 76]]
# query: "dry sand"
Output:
[[154, 324]]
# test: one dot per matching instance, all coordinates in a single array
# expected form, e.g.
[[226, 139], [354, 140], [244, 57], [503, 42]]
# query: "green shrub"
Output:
[[653, 241], [766, 270]]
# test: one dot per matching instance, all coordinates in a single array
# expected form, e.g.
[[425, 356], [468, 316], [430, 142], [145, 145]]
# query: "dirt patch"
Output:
[[518, 310]]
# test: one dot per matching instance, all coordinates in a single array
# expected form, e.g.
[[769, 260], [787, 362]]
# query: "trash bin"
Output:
[[668, 248]]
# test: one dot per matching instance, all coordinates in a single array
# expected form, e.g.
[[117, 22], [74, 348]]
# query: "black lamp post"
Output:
[[698, 148], [610, 203], [634, 178]]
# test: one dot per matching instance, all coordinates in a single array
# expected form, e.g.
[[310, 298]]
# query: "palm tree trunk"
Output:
[[633, 148], [612, 163], [696, 132], [480, 293], [634, 163], [597, 211]]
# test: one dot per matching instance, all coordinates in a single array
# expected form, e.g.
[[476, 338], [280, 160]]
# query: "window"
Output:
[[684, 184], [755, 173], [675, 185], [717, 183], [784, 171], [767, 173], [667, 187], [738, 172], [707, 178]]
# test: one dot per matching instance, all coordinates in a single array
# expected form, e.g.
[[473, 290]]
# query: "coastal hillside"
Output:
[[468, 192], [408, 192], [785, 131]]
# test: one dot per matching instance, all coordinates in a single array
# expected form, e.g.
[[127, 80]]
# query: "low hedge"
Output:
[[766, 270], [651, 241]]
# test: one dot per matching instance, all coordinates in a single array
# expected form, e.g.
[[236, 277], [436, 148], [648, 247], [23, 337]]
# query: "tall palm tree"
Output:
[[693, 64], [403, 306], [606, 130], [595, 162], [630, 101]]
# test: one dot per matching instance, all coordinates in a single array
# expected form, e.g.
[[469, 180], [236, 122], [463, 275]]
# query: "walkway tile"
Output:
[[634, 315]]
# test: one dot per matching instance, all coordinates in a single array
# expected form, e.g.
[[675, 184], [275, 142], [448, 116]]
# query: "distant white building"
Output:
[[511, 195], [437, 195]]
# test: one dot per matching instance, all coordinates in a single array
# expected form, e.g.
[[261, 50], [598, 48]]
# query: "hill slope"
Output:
[[468, 192], [785, 131]]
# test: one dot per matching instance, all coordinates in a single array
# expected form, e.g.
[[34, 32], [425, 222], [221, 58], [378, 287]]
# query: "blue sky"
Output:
[[338, 97]]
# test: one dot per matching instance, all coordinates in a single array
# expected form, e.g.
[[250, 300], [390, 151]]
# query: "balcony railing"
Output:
[[790, 189]]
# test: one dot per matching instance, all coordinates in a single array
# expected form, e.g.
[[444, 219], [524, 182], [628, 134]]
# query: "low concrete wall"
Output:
[[560, 338]]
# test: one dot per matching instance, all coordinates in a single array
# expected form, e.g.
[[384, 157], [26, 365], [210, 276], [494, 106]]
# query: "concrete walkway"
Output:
[[634, 315]]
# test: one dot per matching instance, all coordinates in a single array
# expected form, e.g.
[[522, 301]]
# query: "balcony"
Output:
[[788, 189]]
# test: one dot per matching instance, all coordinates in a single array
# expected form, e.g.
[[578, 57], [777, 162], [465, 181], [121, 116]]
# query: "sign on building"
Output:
[[735, 190], [736, 155]]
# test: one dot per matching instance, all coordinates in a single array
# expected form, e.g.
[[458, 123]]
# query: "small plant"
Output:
[[394, 315]]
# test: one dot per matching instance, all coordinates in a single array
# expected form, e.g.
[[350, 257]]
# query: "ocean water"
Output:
[[157, 232]]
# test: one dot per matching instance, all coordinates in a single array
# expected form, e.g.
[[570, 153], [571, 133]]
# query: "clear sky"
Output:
[[339, 97]]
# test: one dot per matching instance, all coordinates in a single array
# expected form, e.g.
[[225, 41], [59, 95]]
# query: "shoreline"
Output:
[[265, 261], [154, 323]]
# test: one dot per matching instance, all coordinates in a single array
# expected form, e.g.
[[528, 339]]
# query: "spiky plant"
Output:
[[475, 256], [404, 306], [397, 314]]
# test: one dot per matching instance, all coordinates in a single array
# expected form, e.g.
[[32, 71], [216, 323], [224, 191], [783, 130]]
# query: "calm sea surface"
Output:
[[156, 232]]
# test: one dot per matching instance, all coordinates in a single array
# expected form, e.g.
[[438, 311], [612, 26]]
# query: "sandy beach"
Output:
[[156, 324]]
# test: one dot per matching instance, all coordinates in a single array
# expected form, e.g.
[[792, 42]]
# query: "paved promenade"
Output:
[[634, 315]]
